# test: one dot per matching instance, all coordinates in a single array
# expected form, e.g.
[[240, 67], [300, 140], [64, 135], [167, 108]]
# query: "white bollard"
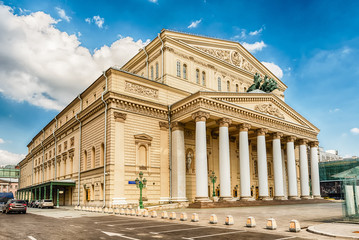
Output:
[[183, 216], [271, 224], [195, 217], [138, 213], [128, 211], [213, 219], [229, 220], [164, 215], [122, 211], [153, 214], [294, 226], [133, 212], [251, 222], [172, 216], [145, 213]]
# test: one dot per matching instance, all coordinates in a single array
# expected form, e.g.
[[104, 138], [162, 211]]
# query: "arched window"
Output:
[[102, 154], [142, 150], [237, 88], [85, 161], [228, 86], [203, 78], [93, 154], [184, 71], [178, 69], [157, 72], [219, 84], [151, 72], [197, 76]]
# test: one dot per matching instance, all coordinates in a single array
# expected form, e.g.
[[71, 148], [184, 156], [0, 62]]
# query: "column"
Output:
[[278, 167], [164, 159], [304, 177], [262, 164], [292, 171], [224, 159], [244, 167], [40, 193], [314, 169], [201, 156], [118, 146], [57, 199], [35, 193], [50, 191], [178, 163], [45, 192]]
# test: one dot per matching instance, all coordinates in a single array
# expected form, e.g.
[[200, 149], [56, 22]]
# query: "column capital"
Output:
[[163, 125], [303, 141], [200, 116], [119, 117], [277, 135], [177, 126], [244, 127], [261, 131], [290, 138], [314, 144], [224, 122]]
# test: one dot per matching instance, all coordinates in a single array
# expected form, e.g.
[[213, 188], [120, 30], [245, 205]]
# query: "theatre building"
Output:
[[179, 112]]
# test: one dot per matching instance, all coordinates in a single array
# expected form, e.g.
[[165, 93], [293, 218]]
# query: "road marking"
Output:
[[31, 237], [123, 220], [152, 226], [111, 234], [286, 238], [136, 223], [217, 234], [177, 230]]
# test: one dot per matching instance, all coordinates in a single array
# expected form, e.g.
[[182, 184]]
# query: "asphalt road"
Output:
[[31, 226]]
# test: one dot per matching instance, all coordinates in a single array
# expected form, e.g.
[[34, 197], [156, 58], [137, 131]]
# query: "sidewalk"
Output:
[[339, 230]]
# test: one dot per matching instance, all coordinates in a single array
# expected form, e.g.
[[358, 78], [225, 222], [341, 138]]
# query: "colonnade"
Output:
[[200, 118], [37, 193]]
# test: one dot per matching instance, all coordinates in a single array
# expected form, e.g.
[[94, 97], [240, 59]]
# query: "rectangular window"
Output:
[[184, 71], [219, 84], [178, 69], [157, 71], [151, 72], [197, 76]]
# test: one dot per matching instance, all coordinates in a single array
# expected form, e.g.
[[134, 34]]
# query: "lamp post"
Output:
[[141, 183], [213, 179]]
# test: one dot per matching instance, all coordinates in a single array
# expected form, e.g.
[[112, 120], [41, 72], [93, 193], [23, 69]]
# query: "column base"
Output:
[[265, 198], [294, 198], [306, 197], [215, 199], [119, 201], [247, 199], [226, 199], [317, 197], [202, 199], [164, 199], [282, 198], [179, 199]]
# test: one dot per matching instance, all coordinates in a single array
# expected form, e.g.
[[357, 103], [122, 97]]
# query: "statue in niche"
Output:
[[189, 159]]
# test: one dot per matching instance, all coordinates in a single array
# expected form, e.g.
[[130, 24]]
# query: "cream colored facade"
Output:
[[177, 111]]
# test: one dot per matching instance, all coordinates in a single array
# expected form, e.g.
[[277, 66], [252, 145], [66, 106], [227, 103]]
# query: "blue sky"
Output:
[[52, 50]]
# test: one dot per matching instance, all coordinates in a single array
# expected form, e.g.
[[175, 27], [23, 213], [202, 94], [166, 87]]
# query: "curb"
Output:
[[312, 230]]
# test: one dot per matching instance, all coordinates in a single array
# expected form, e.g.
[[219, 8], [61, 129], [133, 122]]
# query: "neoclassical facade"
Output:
[[179, 112]]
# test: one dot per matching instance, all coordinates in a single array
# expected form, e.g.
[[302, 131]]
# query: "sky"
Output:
[[50, 51]]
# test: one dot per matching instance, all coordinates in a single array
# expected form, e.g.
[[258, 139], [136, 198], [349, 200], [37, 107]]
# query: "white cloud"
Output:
[[41, 65], [334, 110], [355, 131], [241, 35], [254, 47], [88, 20], [2, 141], [153, 1], [62, 14], [256, 32], [275, 69], [195, 24], [99, 21], [8, 158]]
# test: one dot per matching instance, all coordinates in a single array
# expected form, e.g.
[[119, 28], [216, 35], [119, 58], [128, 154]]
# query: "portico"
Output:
[[251, 142]]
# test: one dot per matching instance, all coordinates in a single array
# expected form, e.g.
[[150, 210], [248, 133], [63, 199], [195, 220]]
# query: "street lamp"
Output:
[[213, 179], [141, 183]]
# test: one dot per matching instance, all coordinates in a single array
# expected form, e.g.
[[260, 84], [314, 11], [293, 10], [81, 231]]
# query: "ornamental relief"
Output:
[[140, 89], [140, 109], [232, 57], [269, 109]]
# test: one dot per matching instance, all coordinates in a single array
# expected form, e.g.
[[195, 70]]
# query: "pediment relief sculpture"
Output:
[[269, 109]]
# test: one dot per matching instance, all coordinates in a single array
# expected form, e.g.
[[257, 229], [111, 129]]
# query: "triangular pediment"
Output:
[[143, 137], [228, 51], [264, 103]]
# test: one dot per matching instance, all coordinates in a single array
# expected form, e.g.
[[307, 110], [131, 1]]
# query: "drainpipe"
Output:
[[144, 49], [55, 153], [159, 37], [32, 171], [170, 148], [79, 171], [43, 155], [105, 143]]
